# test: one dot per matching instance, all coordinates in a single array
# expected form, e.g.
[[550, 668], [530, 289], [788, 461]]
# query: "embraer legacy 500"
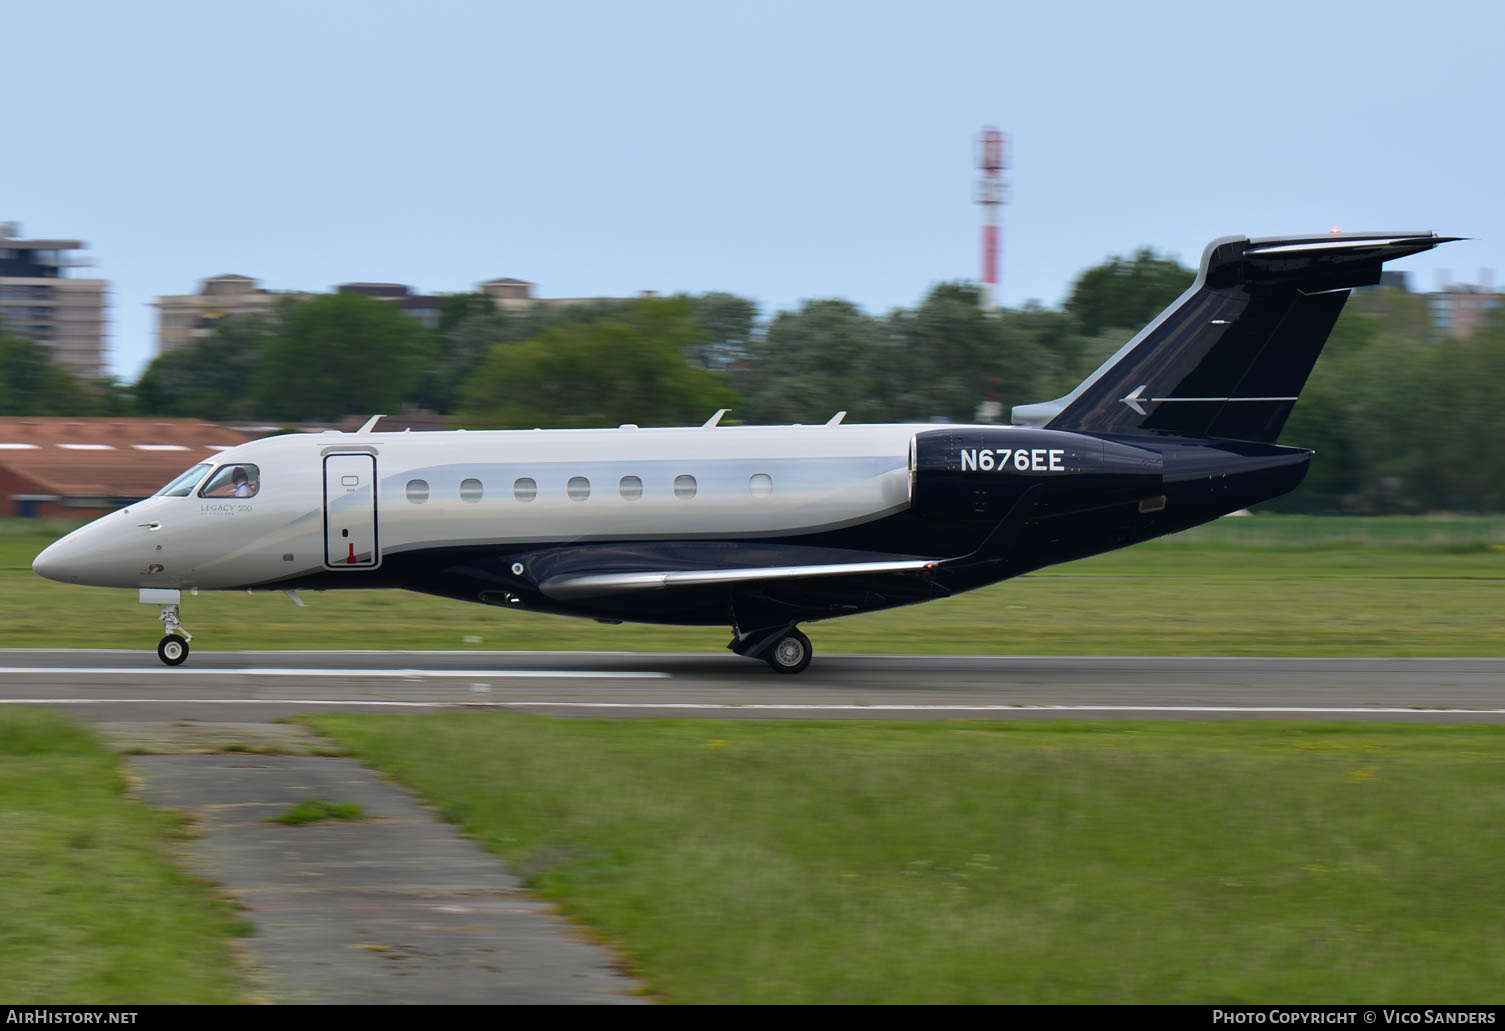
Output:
[[766, 527]]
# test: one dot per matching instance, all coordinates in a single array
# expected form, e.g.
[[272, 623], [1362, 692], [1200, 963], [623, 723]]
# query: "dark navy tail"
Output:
[[1230, 356]]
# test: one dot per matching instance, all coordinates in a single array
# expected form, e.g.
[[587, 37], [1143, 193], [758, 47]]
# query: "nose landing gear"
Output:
[[173, 648]]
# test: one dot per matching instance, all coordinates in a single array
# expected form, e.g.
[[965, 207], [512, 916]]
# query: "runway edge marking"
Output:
[[767, 706], [474, 674]]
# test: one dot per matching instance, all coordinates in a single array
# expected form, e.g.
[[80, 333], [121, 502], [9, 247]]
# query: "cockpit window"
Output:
[[233, 481], [183, 485]]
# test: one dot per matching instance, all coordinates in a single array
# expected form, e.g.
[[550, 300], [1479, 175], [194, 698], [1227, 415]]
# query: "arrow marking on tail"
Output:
[[1135, 401]]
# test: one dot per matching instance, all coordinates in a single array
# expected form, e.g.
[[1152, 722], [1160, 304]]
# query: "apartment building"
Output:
[[183, 318], [38, 300]]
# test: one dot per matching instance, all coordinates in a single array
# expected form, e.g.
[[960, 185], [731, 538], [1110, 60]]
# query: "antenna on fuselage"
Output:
[[835, 420], [370, 423], [715, 419]]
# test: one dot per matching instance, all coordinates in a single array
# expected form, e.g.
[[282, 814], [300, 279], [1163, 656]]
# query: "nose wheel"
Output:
[[173, 650]]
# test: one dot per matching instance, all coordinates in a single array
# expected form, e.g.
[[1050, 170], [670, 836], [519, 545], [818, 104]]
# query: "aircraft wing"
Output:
[[577, 585]]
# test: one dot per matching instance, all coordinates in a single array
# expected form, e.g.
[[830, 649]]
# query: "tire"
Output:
[[790, 653], [172, 650]]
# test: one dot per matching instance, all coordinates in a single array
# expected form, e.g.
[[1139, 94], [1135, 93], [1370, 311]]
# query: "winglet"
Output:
[[715, 419]]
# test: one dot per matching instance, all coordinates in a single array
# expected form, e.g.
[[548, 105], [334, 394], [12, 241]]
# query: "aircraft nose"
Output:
[[99, 555], [54, 564]]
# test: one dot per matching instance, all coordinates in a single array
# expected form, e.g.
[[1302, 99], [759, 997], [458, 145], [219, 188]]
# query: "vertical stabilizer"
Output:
[[1229, 357]]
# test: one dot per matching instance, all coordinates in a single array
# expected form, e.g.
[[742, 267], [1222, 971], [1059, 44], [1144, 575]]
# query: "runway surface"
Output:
[[126, 686]]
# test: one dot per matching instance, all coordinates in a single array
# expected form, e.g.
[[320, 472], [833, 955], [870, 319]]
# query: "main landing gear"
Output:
[[790, 653], [173, 648], [784, 648]]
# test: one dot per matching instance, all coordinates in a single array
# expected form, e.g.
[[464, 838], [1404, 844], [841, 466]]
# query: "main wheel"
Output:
[[790, 653], [172, 650]]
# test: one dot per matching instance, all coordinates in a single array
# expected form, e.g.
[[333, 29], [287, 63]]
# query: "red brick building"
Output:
[[82, 468]]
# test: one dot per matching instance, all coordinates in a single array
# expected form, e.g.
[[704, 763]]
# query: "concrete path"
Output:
[[397, 908]]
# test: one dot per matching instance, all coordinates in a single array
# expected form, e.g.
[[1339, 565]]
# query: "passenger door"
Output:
[[350, 540]]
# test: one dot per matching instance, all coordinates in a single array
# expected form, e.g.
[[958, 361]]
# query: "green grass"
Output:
[[1266, 585], [311, 810], [93, 911], [738, 862]]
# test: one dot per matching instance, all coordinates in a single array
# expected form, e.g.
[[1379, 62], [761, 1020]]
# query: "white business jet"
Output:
[[762, 528]]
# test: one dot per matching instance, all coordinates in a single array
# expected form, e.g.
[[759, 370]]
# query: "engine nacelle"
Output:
[[969, 474]]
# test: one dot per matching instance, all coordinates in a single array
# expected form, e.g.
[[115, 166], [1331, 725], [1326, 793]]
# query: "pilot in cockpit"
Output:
[[235, 481]]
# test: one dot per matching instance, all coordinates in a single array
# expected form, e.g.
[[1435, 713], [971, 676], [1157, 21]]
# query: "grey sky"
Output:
[[776, 150]]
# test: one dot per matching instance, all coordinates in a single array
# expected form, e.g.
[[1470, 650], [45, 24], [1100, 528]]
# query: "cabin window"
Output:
[[471, 490], [184, 484], [760, 485], [631, 487], [525, 488], [233, 481], [684, 486], [418, 491], [579, 488]]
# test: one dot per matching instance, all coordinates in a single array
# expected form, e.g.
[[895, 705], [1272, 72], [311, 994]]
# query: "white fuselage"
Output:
[[318, 508]]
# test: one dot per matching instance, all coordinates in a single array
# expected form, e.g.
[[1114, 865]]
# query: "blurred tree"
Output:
[[728, 322], [1397, 311], [213, 377], [1035, 356], [1125, 294], [1043, 355], [947, 357], [107, 396], [628, 369], [31, 383], [462, 347], [1399, 424], [1328, 420], [341, 354], [1381, 384], [811, 363], [456, 308], [1460, 462]]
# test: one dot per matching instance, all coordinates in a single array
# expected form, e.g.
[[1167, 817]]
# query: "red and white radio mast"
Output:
[[990, 192]]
